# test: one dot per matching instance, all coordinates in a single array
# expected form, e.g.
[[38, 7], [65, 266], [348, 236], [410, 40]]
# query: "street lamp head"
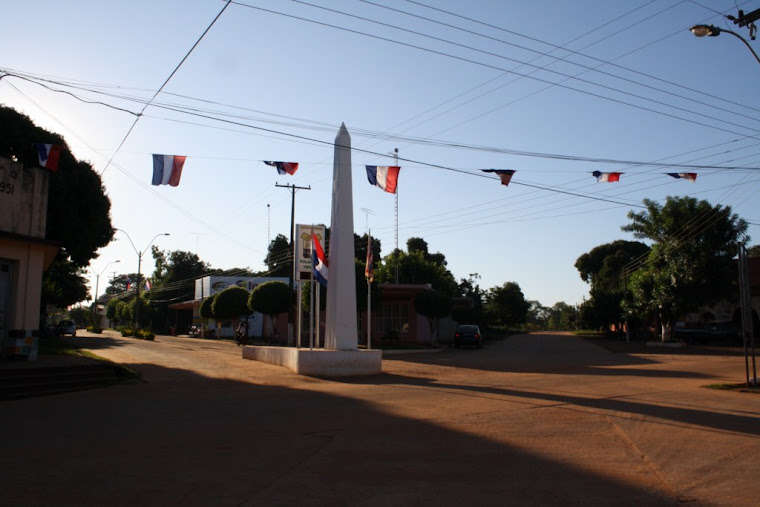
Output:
[[705, 30]]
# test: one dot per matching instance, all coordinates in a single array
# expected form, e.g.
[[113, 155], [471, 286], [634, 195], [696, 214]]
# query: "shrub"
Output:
[[127, 331], [94, 329], [145, 334]]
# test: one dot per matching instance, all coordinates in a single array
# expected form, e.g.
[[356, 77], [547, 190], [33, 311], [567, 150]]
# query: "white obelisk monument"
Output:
[[340, 321], [341, 356]]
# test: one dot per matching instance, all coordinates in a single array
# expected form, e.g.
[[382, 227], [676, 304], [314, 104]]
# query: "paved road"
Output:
[[534, 419]]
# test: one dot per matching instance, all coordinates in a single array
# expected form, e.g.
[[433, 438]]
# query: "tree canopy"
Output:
[[691, 260], [506, 305], [604, 269]]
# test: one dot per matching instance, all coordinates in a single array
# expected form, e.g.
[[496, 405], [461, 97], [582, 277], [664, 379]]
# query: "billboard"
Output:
[[302, 247]]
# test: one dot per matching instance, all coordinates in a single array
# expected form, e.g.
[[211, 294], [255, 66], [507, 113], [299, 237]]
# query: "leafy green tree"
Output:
[[413, 268], [537, 316], [124, 314], [469, 288], [604, 268], [753, 251], [433, 306], [563, 316], [78, 214], [279, 257], [206, 311], [231, 304], [270, 299], [80, 315], [145, 313], [111, 310], [173, 280], [691, 261], [506, 305]]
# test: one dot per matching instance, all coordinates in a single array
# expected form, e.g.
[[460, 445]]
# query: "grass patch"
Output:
[[742, 388], [57, 346]]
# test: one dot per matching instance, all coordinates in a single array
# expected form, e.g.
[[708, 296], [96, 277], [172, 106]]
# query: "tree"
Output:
[[563, 316], [506, 305], [413, 268], [174, 280], [691, 261], [279, 257], [604, 269], [537, 316], [469, 288], [78, 213], [231, 304], [434, 306], [206, 311], [270, 299]]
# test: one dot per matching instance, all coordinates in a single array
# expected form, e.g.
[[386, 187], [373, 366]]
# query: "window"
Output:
[[392, 318]]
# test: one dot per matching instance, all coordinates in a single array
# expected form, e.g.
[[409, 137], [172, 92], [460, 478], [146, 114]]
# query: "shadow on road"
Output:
[[183, 438]]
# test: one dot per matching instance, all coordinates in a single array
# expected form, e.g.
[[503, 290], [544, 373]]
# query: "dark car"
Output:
[[468, 334], [715, 331], [65, 327]]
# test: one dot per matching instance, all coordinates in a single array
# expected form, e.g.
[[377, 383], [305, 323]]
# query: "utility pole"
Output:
[[293, 189]]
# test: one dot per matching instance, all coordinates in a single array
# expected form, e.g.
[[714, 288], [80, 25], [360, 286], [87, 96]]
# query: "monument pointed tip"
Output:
[[343, 135]]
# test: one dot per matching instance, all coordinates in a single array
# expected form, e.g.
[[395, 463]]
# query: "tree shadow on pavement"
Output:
[[184, 438]]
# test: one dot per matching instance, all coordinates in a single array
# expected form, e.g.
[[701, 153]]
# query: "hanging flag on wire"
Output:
[[319, 261], [684, 176], [167, 169], [48, 155], [283, 167], [129, 284], [608, 177], [369, 267], [504, 174], [385, 177], [147, 284]]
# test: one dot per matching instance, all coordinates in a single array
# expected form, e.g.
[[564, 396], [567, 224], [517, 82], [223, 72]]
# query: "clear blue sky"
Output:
[[545, 88]]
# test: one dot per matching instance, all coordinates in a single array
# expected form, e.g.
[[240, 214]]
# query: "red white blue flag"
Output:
[[48, 155], [608, 177], [684, 176], [318, 261], [284, 167], [369, 267], [504, 174], [385, 177], [167, 169]]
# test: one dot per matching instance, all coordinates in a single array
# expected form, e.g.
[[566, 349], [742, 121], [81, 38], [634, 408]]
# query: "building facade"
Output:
[[24, 254]]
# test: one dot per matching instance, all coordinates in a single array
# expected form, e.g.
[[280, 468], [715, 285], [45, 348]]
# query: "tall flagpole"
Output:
[[395, 158], [368, 274], [311, 297]]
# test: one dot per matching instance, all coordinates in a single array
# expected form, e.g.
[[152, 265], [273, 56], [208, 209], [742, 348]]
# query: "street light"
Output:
[[97, 280], [139, 267], [714, 31]]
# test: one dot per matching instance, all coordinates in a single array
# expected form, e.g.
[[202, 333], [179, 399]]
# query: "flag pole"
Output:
[[367, 269], [311, 296]]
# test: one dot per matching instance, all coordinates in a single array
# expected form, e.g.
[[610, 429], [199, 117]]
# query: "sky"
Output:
[[553, 90]]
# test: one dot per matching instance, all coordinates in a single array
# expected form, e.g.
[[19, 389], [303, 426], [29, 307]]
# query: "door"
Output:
[[5, 299]]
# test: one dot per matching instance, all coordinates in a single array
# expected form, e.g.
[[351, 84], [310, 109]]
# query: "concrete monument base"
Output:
[[319, 362]]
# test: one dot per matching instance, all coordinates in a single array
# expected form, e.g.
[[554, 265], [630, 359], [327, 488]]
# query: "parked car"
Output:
[[714, 331], [65, 327], [468, 334]]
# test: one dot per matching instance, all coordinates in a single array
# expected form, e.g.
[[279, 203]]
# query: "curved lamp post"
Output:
[[139, 265], [97, 280], [714, 31]]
